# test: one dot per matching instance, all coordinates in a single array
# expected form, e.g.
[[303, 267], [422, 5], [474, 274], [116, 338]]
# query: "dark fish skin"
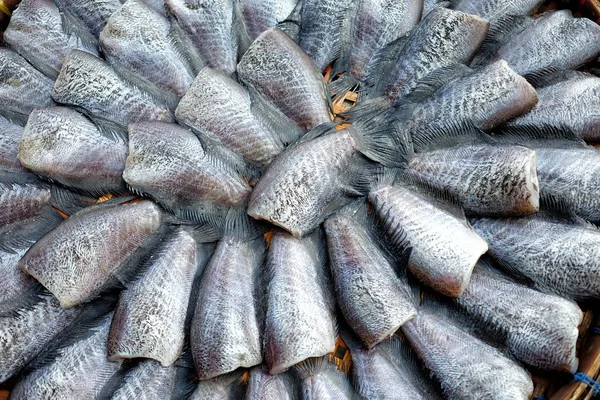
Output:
[[147, 381], [322, 380], [373, 300], [260, 15], [556, 255], [37, 32], [9, 146], [90, 15], [226, 328], [224, 387], [137, 41], [90, 83], [496, 9], [79, 371], [264, 386], [466, 367], [25, 333], [277, 68], [169, 163], [60, 144], [85, 254], [218, 106], [444, 37], [298, 286], [377, 23], [487, 179], [539, 329], [212, 26], [22, 87], [150, 317]]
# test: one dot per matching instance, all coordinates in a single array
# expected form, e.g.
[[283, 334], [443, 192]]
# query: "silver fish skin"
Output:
[[496, 9], [220, 107], [378, 23], [444, 247], [22, 87], [571, 103], [226, 328], [298, 286], [36, 32], [260, 15], [138, 44], [555, 41], [10, 135], [150, 317], [90, 83], [372, 298], [430, 5], [60, 144], [88, 15], [539, 329], [444, 37], [556, 255], [19, 288], [79, 372], [25, 333], [157, 5], [169, 163], [86, 253], [148, 380], [466, 367], [278, 69], [388, 371], [321, 380], [487, 179], [264, 386], [224, 387], [212, 28]]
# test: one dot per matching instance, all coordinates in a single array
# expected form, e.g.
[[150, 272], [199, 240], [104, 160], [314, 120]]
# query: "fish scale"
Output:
[[147, 381], [260, 15], [90, 14], [495, 9]]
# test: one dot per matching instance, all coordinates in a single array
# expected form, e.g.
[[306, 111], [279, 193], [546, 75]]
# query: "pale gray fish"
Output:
[[486, 178], [25, 332], [389, 370], [169, 163], [373, 299], [157, 5], [150, 316], [226, 328], [147, 381], [87, 252], [224, 387], [444, 247], [138, 43], [10, 135], [212, 26], [64, 146], [325, 28], [298, 287], [22, 87], [558, 256], [378, 23], [79, 371], [88, 82], [466, 367], [260, 15], [88, 15], [430, 5], [278, 69], [496, 9], [218, 106], [18, 288], [37, 32], [555, 41], [572, 103], [322, 380], [444, 38], [538, 329], [264, 386]]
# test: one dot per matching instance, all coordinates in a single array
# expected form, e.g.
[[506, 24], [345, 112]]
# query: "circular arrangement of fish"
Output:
[[187, 212]]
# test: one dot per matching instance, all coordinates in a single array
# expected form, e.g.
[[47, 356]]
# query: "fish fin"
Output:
[[382, 63], [184, 47], [72, 27], [541, 134], [342, 85], [561, 76], [240, 225], [239, 30], [538, 77], [117, 380], [434, 81], [184, 382], [27, 299], [277, 123], [203, 233], [291, 24], [362, 176], [463, 133], [318, 131], [68, 197], [498, 33], [229, 161], [444, 131], [514, 272], [312, 366], [25, 233]]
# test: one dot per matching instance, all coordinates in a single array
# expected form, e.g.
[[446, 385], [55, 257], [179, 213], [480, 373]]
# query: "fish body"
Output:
[[9, 146], [321, 380], [19, 288], [260, 15], [264, 386], [298, 286], [85, 254], [88, 15], [278, 69], [556, 255], [60, 144], [496, 9], [224, 387], [147, 381], [444, 248]]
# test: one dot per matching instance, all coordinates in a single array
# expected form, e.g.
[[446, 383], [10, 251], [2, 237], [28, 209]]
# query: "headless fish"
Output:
[[88, 15]]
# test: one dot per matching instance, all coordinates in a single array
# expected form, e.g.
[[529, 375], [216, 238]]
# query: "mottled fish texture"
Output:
[[18, 288], [10, 135], [264, 386], [277, 68], [85, 254], [299, 287], [224, 387], [147, 381], [89, 15], [322, 380], [260, 15], [496, 9]]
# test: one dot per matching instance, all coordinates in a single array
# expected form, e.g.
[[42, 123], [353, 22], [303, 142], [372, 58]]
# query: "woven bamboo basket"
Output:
[[583, 385]]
